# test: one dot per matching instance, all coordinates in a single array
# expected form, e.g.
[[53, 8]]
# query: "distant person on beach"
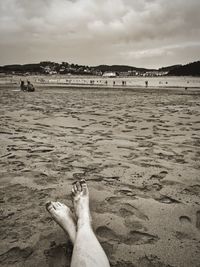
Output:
[[87, 250], [30, 87], [22, 86], [146, 83]]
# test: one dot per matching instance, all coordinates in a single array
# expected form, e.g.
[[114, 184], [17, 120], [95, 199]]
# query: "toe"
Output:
[[78, 185], [75, 188], [82, 182], [73, 191], [61, 205], [51, 210], [50, 207], [84, 187], [55, 205], [48, 204]]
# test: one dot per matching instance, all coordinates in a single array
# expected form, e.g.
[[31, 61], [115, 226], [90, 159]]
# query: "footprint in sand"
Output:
[[161, 175], [108, 248], [106, 233], [125, 213], [59, 255], [198, 219], [167, 200], [151, 261], [15, 255], [133, 237], [113, 200], [122, 264], [127, 209], [127, 192], [184, 219], [138, 238], [182, 236], [193, 189]]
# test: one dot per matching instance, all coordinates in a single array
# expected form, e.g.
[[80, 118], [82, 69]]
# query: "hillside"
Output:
[[48, 67], [169, 68], [192, 69]]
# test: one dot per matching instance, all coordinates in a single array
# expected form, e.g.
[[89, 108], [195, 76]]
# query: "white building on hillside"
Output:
[[109, 74]]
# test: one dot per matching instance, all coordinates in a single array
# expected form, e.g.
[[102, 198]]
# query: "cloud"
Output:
[[98, 31]]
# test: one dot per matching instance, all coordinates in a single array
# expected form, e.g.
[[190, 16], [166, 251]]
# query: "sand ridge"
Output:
[[138, 151]]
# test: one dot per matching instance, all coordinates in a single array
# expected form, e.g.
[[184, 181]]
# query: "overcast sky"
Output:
[[141, 33]]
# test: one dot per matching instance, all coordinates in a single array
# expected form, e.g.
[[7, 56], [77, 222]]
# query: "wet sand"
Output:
[[139, 152]]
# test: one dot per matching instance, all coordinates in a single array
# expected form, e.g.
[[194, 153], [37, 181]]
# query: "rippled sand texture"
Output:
[[139, 153]]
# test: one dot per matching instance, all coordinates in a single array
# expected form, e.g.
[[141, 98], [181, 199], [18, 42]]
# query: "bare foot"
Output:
[[80, 195], [64, 217]]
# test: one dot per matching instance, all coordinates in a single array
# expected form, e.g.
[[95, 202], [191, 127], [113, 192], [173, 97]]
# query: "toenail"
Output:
[[48, 204]]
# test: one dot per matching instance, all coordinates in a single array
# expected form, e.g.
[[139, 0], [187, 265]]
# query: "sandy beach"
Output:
[[139, 153]]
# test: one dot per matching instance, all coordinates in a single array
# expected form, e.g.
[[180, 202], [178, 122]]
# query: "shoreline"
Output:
[[99, 86], [150, 89]]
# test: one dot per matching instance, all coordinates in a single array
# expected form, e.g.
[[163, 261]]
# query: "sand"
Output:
[[139, 152]]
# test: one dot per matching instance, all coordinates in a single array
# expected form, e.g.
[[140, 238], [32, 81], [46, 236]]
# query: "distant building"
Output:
[[124, 73], [62, 69], [109, 74], [154, 73]]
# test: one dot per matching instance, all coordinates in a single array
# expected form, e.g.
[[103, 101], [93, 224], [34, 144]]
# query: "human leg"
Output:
[[87, 250], [64, 217]]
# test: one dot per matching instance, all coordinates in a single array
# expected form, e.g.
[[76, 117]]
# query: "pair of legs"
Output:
[[87, 251]]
